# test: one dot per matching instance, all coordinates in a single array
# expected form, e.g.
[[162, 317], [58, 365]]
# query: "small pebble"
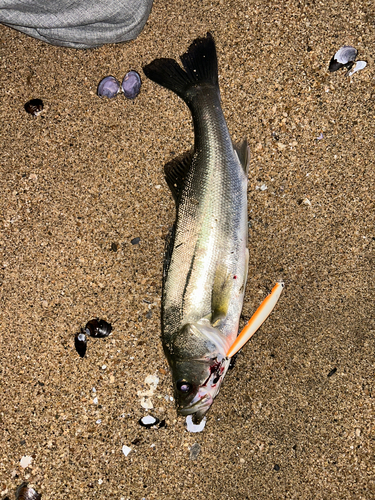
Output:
[[135, 241], [162, 424], [332, 372], [126, 450], [26, 461], [194, 451], [276, 467]]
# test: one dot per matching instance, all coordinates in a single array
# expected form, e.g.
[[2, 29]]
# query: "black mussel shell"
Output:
[[98, 328], [34, 107], [148, 421], [344, 57], [80, 343], [25, 492]]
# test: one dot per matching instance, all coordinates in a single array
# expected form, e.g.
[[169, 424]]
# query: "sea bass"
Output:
[[206, 262]]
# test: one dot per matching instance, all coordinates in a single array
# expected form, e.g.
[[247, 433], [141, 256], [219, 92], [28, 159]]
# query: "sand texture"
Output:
[[295, 417]]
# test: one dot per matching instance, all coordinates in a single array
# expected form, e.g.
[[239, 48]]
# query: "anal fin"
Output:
[[175, 172], [243, 152]]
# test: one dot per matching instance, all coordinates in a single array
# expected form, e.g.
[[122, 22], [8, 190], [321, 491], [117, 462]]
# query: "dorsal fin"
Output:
[[243, 152], [175, 173]]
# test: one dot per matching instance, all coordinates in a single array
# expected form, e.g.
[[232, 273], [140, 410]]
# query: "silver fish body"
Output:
[[207, 257]]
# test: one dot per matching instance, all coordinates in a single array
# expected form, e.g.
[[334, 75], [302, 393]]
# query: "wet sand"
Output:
[[295, 417]]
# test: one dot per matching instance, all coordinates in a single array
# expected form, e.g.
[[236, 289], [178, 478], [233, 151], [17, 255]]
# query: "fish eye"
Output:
[[183, 386]]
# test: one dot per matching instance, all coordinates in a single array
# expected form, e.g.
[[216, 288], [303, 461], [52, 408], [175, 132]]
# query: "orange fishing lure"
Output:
[[258, 318]]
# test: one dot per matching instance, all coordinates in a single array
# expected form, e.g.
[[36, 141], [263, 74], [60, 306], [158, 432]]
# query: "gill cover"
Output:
[[198, 364]]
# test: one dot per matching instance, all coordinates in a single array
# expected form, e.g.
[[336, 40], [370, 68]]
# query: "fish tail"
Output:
[[199, 63]]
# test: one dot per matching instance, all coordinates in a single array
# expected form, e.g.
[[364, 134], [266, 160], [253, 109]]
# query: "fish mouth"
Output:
[[198, 408]]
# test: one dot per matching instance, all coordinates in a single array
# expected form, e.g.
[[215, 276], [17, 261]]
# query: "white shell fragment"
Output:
[[146, 402], [146, 395], [358, 66], [148, 421], [126, 450], [345, 56], [193, 427], [25, 461]]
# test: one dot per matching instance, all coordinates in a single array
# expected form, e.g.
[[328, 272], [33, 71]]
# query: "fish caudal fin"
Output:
[[200, 66]]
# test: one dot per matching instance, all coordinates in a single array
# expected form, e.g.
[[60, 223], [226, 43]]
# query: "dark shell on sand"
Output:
[[108, 87], [344, 57], [131, 85]]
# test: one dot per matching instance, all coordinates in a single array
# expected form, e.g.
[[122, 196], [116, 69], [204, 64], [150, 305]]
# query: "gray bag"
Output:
[[80, 24]]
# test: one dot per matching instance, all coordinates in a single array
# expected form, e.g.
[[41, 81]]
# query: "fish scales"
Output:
[[207, 258]]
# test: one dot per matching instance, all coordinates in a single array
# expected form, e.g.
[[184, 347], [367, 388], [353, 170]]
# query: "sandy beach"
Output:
[[295, 416]]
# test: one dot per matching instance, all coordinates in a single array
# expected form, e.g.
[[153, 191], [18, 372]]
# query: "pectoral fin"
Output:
[[221, 295]]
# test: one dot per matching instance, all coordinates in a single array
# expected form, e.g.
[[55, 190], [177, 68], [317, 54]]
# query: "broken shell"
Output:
[[131, 85], [25, 492], [345, 56], [192, 427], [148, 421], [80, 343], [34, 107], [358, 66], [108, 87], [98, 328]]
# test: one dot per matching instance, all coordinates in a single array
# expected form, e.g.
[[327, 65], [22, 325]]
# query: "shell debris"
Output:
[[34, 107], [358, 66], [344, 57], [191, 427], [25, 492]]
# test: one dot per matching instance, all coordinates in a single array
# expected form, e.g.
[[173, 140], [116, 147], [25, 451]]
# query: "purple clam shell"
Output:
[[108, 87], [131, 84]]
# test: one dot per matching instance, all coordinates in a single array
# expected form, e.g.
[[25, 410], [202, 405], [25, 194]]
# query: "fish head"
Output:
[[199, 364]]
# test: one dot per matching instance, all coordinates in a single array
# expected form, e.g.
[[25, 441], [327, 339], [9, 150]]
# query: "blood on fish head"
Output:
[[198, 363]]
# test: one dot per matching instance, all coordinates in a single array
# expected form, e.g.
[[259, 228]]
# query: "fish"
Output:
[[206, 258]]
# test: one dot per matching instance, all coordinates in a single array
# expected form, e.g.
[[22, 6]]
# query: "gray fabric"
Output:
[[79, 24]]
